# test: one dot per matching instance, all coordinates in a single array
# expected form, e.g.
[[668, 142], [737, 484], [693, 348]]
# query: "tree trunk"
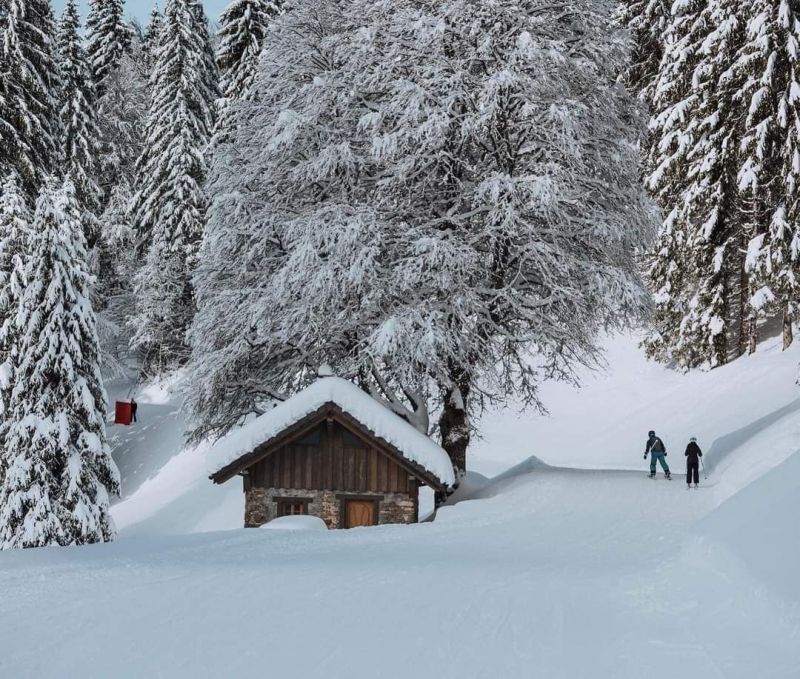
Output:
[[454, 427], [752, 340], [788, 334]]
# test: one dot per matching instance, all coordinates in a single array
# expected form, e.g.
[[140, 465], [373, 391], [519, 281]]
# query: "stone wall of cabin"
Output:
[[260, 505]]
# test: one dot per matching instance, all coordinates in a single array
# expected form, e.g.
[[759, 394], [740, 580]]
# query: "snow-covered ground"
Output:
[[551, 574], [751, 407], [545, 571]]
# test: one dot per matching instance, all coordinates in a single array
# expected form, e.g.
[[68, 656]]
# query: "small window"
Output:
[[290, 506], [350, 440]]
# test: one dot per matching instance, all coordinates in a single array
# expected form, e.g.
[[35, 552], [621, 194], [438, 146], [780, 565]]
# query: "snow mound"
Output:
[[297, 522], [759, 525], [381, 421]]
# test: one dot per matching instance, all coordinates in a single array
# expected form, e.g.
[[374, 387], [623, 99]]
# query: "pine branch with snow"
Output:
[[647, 21], [28, 91]]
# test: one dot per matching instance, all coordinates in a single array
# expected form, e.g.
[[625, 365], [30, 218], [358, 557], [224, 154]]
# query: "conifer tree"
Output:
[[59, 470], [710, 204], [79, 133], [28, 91], [168, 210], [108, 36], [770, 168], [150, 40], [14, 235], [243, 27], [674, 106], [647, 21]]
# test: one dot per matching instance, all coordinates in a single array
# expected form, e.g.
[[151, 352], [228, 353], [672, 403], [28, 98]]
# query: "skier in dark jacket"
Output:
[[693, 455], [658, 451]]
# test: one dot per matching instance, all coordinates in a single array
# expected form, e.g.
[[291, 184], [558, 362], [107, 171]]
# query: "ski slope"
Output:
[[750, 407], [568, 564], [546, 573]]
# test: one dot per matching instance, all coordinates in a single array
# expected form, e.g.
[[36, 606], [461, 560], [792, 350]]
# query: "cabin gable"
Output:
[[331, 457], [330, 415]]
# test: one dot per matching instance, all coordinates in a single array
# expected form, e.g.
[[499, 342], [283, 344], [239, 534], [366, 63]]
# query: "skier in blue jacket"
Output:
[[658, 451]]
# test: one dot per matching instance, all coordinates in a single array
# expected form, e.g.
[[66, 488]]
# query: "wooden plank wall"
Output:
[[333, 464]]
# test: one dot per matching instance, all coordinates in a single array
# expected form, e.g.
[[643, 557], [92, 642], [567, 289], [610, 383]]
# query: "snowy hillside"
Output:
[[751, 404], [746, 417]]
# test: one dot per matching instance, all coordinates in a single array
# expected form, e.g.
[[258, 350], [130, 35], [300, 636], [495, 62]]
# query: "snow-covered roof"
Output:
[[382, 422]]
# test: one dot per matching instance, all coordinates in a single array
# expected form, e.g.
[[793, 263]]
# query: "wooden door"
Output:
[[359, 513]]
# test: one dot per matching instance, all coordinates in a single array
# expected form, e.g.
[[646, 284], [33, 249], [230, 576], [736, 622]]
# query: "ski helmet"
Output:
[[693, 439], [651, 433]]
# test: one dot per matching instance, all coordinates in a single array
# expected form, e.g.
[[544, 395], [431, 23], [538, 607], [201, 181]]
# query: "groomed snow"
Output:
[[558, 574], [381, 421]]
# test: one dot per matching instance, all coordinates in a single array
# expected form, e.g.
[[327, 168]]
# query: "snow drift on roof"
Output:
[[381, 421]]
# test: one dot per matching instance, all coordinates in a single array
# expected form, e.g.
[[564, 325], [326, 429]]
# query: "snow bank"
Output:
[[759, 525], [381, 421], [297, 522]]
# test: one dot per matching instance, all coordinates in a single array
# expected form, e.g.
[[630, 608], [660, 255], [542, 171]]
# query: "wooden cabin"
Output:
[[334, 452]]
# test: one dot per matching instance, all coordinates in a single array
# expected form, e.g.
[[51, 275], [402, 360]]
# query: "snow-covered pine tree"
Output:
[[710, 203], [647, 21], [437, 190], [28, 91], [108, 36], [673, 104], [59, 470], [150, 41], [122, 113], [768, 178], [168, 210], [79, 133], [683, 134], [14, 235], [243, 27]]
